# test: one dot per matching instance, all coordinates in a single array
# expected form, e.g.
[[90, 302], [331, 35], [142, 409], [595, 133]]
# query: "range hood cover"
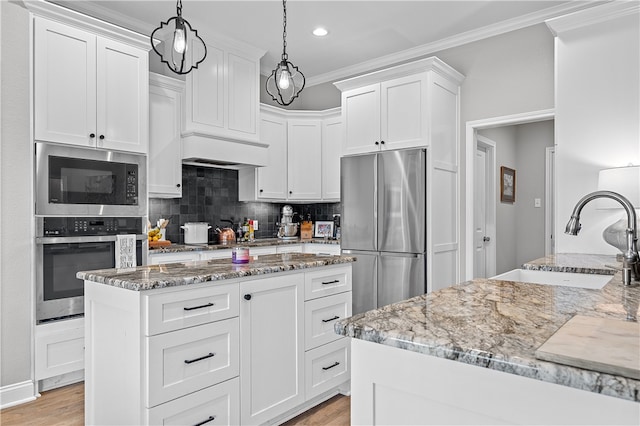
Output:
[[205, 150]]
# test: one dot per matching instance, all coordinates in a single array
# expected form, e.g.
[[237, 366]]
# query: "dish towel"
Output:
[[125, 251]]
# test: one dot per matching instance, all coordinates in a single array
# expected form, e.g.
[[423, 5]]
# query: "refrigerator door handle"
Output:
[[375, 204], [410, 255]]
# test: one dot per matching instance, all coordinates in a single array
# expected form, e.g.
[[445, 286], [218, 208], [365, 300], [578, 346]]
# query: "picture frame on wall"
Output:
[[507, 185], [323, 229]]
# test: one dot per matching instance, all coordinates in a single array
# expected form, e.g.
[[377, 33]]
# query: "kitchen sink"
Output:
[[567, 279]]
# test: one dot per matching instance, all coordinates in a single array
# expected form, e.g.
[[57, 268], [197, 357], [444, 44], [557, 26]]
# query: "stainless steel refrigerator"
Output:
[[383, 198]]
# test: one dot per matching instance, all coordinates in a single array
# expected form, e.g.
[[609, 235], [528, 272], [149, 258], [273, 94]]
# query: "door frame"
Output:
[[471, 132], [549, 201], [491, 200]]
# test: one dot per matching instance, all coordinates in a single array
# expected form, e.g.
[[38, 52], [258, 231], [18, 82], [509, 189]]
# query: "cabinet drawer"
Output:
[[327, 281], [59, 348], [289, 248], [188, 360], [327, 367], [162, 258], [186, 308], [215, 254], [222, 402], [322, 249], [320, 316]]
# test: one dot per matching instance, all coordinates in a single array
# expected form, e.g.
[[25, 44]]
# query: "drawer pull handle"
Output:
[[330, 282], [335, 364], [189, 361], [331, 319], [199, 307], [210, 419]]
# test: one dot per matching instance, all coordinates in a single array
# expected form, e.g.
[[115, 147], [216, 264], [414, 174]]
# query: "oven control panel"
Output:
[[79, 226]]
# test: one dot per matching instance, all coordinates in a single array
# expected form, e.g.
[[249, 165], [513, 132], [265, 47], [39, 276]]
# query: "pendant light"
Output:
[[178, 45], [286, 81]]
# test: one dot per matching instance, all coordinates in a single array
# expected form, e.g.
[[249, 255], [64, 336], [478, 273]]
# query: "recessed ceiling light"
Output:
[[320, 32]]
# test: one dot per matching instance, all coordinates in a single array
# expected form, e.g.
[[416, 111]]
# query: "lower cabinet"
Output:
[[59, 348], [272, 341], [246, 351]]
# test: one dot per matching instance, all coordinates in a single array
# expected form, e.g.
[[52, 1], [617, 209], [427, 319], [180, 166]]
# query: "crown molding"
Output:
[[454, 41], [300, 114], [79, 20], [601, 13]]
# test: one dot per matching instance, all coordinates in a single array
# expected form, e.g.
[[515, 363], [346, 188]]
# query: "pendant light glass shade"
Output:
[[178, 44], [286, 81]]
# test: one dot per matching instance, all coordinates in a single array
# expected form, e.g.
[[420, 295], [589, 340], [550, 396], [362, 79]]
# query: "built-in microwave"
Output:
[[73, 181]]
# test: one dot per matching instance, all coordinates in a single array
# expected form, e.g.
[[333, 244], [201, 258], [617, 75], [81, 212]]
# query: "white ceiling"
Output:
[[363, 34]]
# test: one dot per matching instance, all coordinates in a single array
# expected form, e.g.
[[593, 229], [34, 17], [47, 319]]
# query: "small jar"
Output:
[[240, 255]]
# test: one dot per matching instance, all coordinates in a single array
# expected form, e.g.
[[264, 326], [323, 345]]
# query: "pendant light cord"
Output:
[[179, 8], [284, 31]]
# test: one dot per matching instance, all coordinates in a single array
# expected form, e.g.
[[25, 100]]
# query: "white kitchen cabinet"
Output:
[[289, 248], [322, 249], [331, 151], [327, 366], [222, 97], [320, 316], [304, 159], [165, 154], [162, 258], [59, 348], [272, 342], [89, 90], [268, 182], [391, 109]]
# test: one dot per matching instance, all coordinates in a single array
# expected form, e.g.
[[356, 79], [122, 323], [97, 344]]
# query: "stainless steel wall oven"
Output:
[[66, 245]]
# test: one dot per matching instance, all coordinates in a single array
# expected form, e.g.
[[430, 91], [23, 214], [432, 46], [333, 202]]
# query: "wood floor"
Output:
[[65, 406]]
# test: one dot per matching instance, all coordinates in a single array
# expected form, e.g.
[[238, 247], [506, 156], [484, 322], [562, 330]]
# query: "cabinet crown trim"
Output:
[[166, 82], [304, 114], [84, 22], [429, 64]]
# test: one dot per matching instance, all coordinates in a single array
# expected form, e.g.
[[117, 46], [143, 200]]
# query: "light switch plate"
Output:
[[536, 202]]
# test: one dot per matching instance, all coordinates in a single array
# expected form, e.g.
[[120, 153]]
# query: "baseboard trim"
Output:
[[17, 393]]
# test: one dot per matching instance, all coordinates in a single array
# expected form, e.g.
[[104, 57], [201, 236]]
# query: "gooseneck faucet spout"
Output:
[[630, 258]]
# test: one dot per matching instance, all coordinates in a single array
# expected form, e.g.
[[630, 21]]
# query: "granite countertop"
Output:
[[192, 272], [176, 248], [499, 324]]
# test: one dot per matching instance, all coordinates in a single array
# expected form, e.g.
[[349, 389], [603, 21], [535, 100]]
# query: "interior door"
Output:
[[479, 215]]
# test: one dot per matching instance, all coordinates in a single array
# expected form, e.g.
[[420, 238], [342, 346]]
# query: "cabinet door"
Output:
[[304, 159], [165, 166], [204, 95], [331, 151], [242, 103], [361, 118], [64, 84], [272, 179], [122, 93], [271, 347], [404, 119], [162, 258]]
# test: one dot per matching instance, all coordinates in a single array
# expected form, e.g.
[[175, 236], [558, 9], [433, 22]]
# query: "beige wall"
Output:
[[16, 223]]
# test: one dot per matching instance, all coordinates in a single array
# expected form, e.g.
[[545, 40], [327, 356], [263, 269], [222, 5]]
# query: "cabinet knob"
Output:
[[261, 191], [92, 135], [290, 192], [381, 142], [247, 297], [377, 143], [178, 185], [101, 137]]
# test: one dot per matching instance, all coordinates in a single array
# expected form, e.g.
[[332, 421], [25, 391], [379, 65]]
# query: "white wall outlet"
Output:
[[255, 225], [537, 203]]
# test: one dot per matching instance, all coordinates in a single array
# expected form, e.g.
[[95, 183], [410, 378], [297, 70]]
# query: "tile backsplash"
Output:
[[211, 195]]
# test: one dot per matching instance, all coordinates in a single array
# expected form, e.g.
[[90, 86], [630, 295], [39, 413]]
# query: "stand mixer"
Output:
[[287, 229]]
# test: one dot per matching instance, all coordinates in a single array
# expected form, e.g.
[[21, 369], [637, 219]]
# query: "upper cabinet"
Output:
[[165, 153], [391, 109], [303, 160], [89, 90], [222, 98]]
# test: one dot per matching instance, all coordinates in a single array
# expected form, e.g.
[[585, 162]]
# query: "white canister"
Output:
[[196, 232], [240, 255]]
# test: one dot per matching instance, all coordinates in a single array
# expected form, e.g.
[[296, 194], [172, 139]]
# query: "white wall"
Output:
[[16, 228], [597, 114]]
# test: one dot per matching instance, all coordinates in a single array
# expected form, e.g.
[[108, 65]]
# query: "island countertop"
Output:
[[191, 272], [499, 324]]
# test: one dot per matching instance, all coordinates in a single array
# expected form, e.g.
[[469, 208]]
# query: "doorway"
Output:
[[484, 208], [472, 145]]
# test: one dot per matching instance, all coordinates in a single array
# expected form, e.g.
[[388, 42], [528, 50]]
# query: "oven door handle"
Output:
[[85, 239]]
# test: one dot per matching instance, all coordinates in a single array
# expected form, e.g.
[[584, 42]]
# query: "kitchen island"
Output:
[[198, 341], [466, 354]]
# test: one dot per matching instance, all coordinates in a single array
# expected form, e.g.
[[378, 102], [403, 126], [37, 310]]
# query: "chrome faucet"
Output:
[[630, 258]]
